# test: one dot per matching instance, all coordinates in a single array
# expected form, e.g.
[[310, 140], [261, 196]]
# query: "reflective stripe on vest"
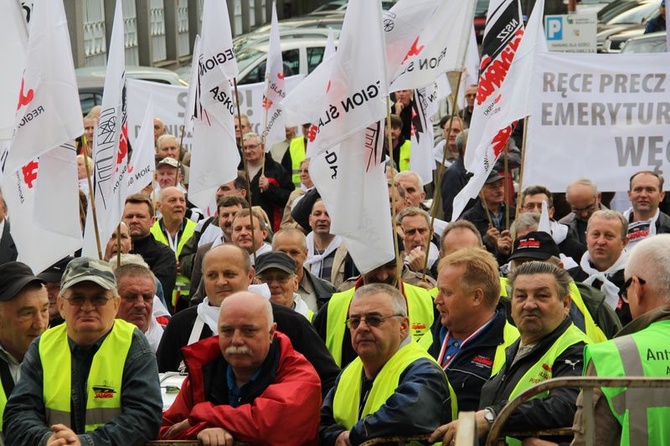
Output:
[[189, 230], [297, 151], [104, 382], [419, 311], [643, 413], [591, 328], [404, 161], [346, 402]]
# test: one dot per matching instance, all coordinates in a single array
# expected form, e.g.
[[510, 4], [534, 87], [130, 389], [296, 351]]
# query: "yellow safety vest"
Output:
[[405, 152], [297, 151], [346, 402], [642, 412], [592, 330], [105, 380], [3, 403], [419, 311], [159, 235]]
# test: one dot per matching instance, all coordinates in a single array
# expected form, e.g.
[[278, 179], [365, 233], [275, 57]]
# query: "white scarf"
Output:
[[315, 261], [209, 314], [299, 305], [611, 291], [559, 231]]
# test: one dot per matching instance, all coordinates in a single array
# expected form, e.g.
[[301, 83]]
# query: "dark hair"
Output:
[[139, 199]]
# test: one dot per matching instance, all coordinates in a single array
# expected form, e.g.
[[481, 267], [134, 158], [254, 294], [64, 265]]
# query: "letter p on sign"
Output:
[[554, 28]]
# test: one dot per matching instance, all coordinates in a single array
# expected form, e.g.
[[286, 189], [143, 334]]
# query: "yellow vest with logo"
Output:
[[643, 413], [419, 311], [346, 402], [159, 235], [105, 379], [297, 151], [405, 152], [592, 330]]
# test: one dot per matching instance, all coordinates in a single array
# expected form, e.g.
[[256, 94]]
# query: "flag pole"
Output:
[[246, 168], [181, 142], [486, 209], [440, 169], [118, 245], [523, 162], [389, 141], [506, 169], [91, 199]]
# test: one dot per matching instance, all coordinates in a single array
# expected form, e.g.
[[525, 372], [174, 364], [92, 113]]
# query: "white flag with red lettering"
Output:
[[13, 47], [350, 178], [43, 207], [275, 89], [214, 154], [48, 113], [346, 92], [110, 146]]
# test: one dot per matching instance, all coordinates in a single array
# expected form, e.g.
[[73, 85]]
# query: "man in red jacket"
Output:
[[246, 385]]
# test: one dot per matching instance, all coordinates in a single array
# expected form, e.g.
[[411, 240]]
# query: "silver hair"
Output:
[[397, 299], [650, 260]]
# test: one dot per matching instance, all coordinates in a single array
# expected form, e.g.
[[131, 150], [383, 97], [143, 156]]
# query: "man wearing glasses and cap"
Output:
[[24, 315], [101, 372], [393, 387]]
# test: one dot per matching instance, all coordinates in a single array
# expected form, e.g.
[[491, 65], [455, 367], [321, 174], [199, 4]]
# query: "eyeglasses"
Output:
[[251, 146], [372, 320], [627, 284], [533, 206], [97, 301], [270, 277]]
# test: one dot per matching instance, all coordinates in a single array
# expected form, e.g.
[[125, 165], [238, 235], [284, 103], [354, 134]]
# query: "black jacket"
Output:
[[295, 326], [454, 180], [162, 262], [477, 216], [8, 251], [273, 200], [623, 310], [553, 411]]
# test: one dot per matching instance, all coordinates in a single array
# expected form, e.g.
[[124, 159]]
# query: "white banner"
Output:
[[603, 117]]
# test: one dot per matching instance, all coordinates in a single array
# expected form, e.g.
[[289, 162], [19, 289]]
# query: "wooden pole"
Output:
[[91, 199], [523, 162], [398, 260]]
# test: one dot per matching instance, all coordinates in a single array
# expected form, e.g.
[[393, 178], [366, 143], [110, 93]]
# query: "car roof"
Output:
[[93, 77]]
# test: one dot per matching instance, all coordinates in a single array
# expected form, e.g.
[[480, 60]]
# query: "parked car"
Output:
[[284, 35], [294, 24], [339, 6], [591, 6], [481, 11], [648, 43], [91, 81], [622, 15]]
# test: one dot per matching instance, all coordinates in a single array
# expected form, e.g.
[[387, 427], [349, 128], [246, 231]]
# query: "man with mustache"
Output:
[[246, 385]]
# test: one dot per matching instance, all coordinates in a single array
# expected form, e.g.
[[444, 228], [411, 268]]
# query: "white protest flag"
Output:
[[13, 47], [110, 147], [471, 72], [214, 155], [48, 112], [346, 92], [189, 110], [330, 49], [143, 159], [40, 191], [350, 178], [545, 223], [425, 106], [275, 90], [439, 47]]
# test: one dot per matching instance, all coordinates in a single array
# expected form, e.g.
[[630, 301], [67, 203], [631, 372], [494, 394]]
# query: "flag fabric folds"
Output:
[[275, 89]]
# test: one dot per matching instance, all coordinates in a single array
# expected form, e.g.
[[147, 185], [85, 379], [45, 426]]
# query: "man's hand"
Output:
[[343, 439], [416, 259], [448, 431], [263, 183], [397, 107], [492, 234], [177, 428], [63, 436], [216, 436], [505, 243]]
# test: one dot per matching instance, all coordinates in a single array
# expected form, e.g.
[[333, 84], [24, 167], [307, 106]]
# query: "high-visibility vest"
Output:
[[642, 412], [346, 401], [3, 403], [297, 151], [105, 379], [419, 311], [591, 328], [159, 235], [405, 152]]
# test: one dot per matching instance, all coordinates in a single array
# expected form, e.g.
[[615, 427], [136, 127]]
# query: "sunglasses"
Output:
[[373, 320], [627, 284]]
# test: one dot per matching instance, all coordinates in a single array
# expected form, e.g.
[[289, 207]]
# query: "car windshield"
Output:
[[247, 56], [635, 15], [615, 8]]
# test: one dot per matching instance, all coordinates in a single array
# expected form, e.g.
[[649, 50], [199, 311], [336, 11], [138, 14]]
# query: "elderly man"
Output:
[[168, 174], [584, 199], [393, 387], [226, 269], [644, 218], [159, 129], [248, 385], [137, 289], [297, 150], [271, 185], [634, 416], [278, 271], [138, 214], [322, 245], [24, 315], [470, 95], [460, 234], [470, 337], [167, 146], [91, 380], [119, 242], [313, 290], [602, 266], [416, 237], [550, 346], [330, 321]]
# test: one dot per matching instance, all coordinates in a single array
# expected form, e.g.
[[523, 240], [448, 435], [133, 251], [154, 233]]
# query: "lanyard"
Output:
[[446, 360]]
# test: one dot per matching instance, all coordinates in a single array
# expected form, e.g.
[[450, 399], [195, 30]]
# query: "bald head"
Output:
[[253, 303], [229, 251]]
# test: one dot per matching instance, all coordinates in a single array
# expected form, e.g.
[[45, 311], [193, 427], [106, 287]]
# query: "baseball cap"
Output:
[[493, 177], [167, 161], [14, 276], [535, 245], [54, 273], [84, 269], [275, 259]]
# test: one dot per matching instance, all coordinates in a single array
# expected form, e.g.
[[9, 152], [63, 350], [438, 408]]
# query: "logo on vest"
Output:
[[482, 361], [103, 392], [418, 326], [543, 374]]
